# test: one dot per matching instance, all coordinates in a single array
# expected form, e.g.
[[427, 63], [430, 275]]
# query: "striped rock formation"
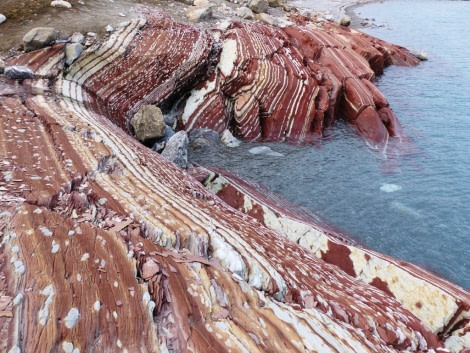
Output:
[[108, 247], [289, 84]]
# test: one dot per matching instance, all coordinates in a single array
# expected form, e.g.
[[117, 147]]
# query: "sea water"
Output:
[[415, 207]]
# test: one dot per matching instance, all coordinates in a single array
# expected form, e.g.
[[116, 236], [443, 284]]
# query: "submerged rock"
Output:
[[265, 150], [39, 37]]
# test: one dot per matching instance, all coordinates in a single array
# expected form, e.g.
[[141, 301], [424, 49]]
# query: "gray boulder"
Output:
[[161, 143], [18, 72], [176, 149], [245, 13], [258, 6], [72, 52], [148, 124], [39, 37]]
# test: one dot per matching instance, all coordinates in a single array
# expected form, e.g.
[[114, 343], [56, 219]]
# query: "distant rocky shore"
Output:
[[110, 240]]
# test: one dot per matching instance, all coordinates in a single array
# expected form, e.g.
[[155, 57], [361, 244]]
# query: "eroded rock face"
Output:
[[103, 239]]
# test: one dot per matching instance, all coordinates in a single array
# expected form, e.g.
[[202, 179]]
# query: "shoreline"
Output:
[[79, 19]]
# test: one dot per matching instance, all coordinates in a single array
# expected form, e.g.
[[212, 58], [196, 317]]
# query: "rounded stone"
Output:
[[61, 3], [39, 37], [345, 21]]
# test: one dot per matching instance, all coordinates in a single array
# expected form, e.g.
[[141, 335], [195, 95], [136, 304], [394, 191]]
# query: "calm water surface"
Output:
[[414, 207]]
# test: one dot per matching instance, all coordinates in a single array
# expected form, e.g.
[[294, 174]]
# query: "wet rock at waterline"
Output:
[[40, 37], [148, 124], [176, 149]]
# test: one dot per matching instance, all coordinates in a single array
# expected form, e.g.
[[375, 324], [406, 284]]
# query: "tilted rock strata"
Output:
[[262, 82], [254, 272], [107, 246], [289, 84], [438, 303]]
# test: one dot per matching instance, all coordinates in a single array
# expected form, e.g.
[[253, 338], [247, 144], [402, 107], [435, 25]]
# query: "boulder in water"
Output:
[[39, 37]]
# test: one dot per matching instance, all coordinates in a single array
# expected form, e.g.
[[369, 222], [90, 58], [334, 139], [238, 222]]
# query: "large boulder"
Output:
[[39, 37], [176, 149], [148, 124]]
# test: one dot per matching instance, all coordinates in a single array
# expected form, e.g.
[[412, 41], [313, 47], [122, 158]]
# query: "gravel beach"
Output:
[[95, 15]]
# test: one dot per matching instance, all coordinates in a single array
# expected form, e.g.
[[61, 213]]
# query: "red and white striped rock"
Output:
[[106, 246]]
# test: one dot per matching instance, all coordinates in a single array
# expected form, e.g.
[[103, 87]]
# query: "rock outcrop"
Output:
[[107, 246]]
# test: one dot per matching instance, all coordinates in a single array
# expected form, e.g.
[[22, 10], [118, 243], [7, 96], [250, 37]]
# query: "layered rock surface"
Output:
[[107, 246]]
